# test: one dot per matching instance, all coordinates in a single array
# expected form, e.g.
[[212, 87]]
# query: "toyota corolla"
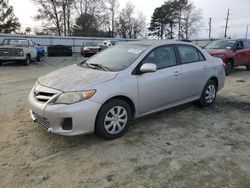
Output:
[[104, 93]]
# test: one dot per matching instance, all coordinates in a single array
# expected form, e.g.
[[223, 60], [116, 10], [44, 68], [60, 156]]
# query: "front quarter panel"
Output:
[[122, 85]]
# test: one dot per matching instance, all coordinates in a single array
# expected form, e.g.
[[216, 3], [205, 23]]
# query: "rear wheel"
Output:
[[27, 60], [113, 119], [229, 67], [248, 67], [209, 93]]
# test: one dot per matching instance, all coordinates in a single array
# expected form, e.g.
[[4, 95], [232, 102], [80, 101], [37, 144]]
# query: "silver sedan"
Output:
[[104, 93]]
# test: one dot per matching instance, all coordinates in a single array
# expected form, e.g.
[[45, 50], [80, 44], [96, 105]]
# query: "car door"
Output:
[[246, 44], [194, 71], [32, 49], [241, 54], [160, 88]]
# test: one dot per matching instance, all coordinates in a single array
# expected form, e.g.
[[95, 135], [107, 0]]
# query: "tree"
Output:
[[158, 23], [128, 25], [112, 6], [172, 15], [55, 15], [190, 21], [139, 25], [91, 18], [8, 21]]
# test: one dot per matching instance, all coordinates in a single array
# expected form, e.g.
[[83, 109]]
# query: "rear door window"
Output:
[[246, 44], [189, 54]]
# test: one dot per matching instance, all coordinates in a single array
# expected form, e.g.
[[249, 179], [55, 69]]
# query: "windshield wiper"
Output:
[[100, 66]]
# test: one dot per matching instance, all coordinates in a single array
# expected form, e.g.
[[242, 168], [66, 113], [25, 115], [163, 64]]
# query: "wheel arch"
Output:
[[126, 99], [121, 97], [215, 79]]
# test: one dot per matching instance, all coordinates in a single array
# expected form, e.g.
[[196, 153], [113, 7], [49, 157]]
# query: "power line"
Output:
[[247, 32], [209, 30], [225, 35]]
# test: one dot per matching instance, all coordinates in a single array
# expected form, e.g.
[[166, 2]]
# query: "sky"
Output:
[[25, 10]]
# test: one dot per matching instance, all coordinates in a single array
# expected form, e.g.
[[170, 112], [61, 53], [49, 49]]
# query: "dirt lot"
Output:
[[183, 147]]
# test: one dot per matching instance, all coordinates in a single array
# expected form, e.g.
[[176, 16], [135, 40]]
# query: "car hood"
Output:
[[75, 78], [12, 46], [217, 51]]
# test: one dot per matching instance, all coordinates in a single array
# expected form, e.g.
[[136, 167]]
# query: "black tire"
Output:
[[1, 63], [38, 58], [205, 100], [105, 112], [248, 67], [230, 67], [27, 60]]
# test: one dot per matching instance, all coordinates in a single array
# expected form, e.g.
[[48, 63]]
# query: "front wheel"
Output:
[[27, 60], [209, 93], [113, 119]]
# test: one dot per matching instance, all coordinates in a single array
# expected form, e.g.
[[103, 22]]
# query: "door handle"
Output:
[[177, 73], [204, 66]]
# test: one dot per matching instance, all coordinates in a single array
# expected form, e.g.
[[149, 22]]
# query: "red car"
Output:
[[233, 53], [90, 48]]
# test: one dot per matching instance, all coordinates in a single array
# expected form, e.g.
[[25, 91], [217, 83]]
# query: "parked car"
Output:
[[40, 51], [18, 49], [90, 48], [104, 93], [233, 52], [59, 51], [106, 44]]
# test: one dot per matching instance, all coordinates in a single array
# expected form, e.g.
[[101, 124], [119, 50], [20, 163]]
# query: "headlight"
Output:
[[73, 97], [219, 55], [20, 52]]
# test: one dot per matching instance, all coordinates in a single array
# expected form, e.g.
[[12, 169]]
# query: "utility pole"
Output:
[[225, 35], [209, 30], [247, 32]]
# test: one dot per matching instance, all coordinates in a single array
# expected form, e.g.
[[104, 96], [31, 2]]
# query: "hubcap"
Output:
[[210, 93], [115, 120]]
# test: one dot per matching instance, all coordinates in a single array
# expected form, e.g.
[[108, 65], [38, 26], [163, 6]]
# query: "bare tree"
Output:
[[139, 25], [112, 6], [49, 11], [190, 21], [125, 22]]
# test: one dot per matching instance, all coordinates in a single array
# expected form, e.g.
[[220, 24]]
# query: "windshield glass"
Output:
[[221, 44], [91, 44], [118, 57], [15, 42]]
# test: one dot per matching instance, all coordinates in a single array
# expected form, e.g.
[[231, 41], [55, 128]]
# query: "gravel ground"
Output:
[[183, 147]]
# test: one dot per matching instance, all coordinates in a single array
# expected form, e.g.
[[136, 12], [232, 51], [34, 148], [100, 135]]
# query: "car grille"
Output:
[[9, 52], [43, 96], [43, 122]]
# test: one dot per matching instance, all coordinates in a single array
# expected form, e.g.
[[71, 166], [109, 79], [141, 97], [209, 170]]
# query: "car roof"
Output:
[[157, 42]]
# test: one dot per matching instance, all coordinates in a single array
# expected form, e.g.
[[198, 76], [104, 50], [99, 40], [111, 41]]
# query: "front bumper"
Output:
[[6, 58], [51, 116]]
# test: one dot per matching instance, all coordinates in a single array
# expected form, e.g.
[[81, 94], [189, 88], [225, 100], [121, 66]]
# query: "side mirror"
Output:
[[148, 67]]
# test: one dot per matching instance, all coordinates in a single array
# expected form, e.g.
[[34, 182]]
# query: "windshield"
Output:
[[15, 42], [91, 44], [221, 44], [118, 57]]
